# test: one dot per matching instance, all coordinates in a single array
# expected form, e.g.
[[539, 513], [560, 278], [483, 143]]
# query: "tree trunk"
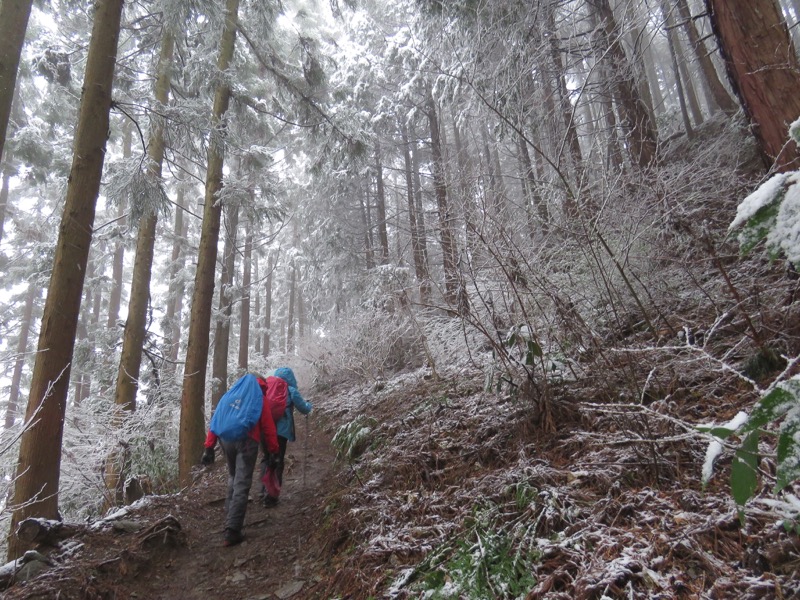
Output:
[[490, 185], [565, 105], [290, 312], [653, 80], [380, 203], [136, 324], [271, 262], [176, 286], [421, 229], [717, 93], [38, 471], [81, 363], [688, 80], [222, 327], [420, 266], [533, 199], [14, 15], [256, 306], [244, 306], [301, 311], [6, 175], [637, 42], [22, 350], [676, 72], [366, 223], [466, 189], [192, 426], [118, 262], [763, 70], [452, 285], [633, 116]]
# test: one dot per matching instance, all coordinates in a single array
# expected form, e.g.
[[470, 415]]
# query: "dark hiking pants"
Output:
[[241, 457]]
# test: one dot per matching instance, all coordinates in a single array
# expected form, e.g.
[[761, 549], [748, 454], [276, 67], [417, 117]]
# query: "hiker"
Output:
[[286, 433], [241, 455]]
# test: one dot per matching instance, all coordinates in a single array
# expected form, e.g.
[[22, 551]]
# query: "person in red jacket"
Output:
[[241, 457]]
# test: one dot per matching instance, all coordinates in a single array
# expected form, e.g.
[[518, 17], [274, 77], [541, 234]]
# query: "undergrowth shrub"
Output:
[[364, 347], [352, 439], [490, 559]]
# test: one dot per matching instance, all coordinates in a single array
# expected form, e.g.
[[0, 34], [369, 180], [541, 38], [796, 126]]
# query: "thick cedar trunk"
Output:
[[36, 489], [446, 236], [192, 422], [717, 93], [417, 253], [14, 15], [763, 70], [380, 205], [244, 306], [222, 328], [19, 362]]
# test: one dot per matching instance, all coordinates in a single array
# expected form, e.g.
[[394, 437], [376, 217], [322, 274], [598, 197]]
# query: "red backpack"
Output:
[[276, 391]]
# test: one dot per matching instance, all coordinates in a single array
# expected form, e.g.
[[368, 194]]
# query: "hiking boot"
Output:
[[269, 502], [232, 537]]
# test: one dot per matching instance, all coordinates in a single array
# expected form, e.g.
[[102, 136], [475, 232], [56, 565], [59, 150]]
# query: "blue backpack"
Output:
[[238, 410]]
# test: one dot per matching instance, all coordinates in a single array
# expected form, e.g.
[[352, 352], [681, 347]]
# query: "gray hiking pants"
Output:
[[241, 457]]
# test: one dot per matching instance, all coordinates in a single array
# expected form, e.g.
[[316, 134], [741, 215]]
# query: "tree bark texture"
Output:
[[763, 70], [676, 71], [380, 205], [717, 92], [22, 349], [136, 324], [420, 263], [192, 422], [14, 16], [176, 286], [222, 328], [639, 130], [290, 318], [118, 261], [38, 470], [244, 306], [446, 235], [271, 262]]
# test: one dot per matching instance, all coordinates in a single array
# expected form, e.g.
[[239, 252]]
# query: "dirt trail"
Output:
[[160, 560], [276, 558]]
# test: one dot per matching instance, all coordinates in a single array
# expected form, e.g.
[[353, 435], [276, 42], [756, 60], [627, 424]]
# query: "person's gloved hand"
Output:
[[208, 456]]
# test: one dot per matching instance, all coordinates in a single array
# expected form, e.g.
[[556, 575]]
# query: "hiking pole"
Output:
[[305, 454]]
